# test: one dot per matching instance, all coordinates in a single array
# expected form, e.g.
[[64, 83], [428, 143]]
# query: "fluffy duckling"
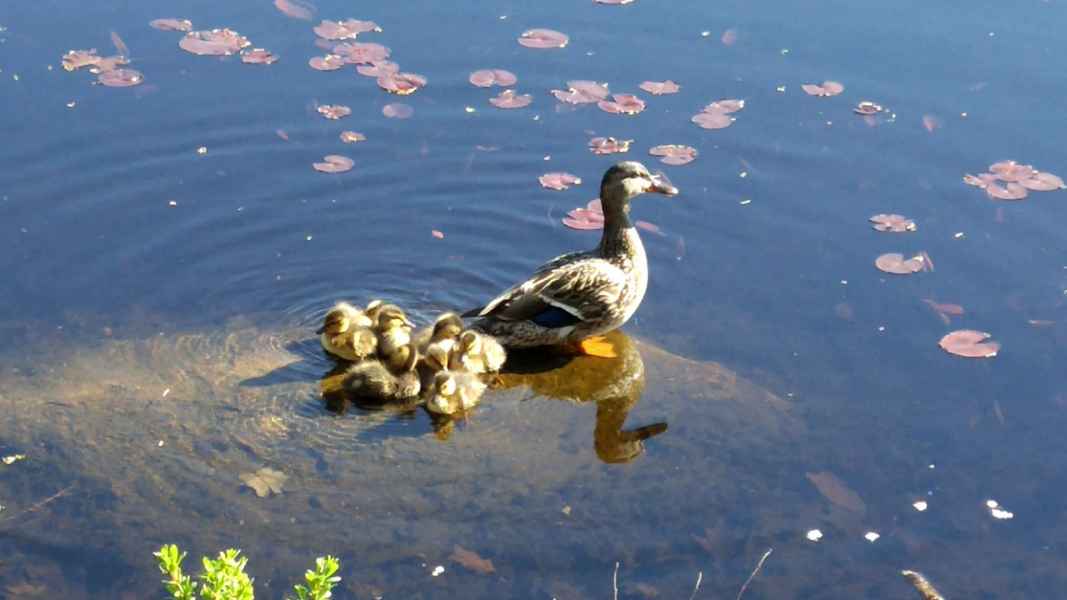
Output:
[[338, 330], [454, 393], [436, 358], [372, 379], [477, 353], [394, 337], [445, 328]]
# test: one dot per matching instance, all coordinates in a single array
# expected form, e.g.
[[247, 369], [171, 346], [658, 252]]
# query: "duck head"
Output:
[[629, 179], [392, 317], [446, 327]]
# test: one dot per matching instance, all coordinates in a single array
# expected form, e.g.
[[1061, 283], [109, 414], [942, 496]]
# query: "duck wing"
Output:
[[561, 294]]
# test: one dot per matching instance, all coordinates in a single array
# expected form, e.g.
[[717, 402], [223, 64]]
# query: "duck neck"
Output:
[[619, 238]]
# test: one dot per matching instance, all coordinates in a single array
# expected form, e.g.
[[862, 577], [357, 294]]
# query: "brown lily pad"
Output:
[[543, 38], [509, 99], [659, 88], [334, 163], [265, 481], [491, 77], [609, 145], [471, 561], [674, 154], [214, 42], [330, 62], [295, 9], [1043, 182], [333, 111], [895, 263], [969, 344], [559, 180], [344, 30], [171, 24], [351, 137], [725, 106], [622, 104], [586, 219], [1008, 191], [713, 120], [868, 108], [361, 53], [121, 78], [76, 59], [258, 56], [401, 84], [892, 222], [828, 88], [378, 69]]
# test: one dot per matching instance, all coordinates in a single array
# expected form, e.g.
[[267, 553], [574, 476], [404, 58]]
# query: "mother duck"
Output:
[[574, 298]]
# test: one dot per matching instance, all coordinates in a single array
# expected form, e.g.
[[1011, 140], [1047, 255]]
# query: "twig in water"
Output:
[[696, 588], [615, 581], [926, 589], [39, 505], [752, 576]]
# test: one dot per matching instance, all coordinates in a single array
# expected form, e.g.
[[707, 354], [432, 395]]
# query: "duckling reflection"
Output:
[[615, 384]]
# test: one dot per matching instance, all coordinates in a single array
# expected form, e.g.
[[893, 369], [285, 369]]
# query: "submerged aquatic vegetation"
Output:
[[224, 577]]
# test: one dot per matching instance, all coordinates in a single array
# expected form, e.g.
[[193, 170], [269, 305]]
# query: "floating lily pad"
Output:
[[344, 30], [121, 78], [401, 83], [969, 344], [589, 218], [361, 53], [509, 99], [543, 38], [491, 77], [1043, 182], [725, 106], [171, 24], [608, 145], [76, 59], [559, 180], [333, 111], [828, 88], [265, 481], [330, 62], [216, 42], [623, 104], [713, 120], [892, 222], [378, 69], [295, 9], [351, 137], [258, 56], [868, 108], [895, 263], [1008, 191], [334, 163], [674, 154], [658, 88]]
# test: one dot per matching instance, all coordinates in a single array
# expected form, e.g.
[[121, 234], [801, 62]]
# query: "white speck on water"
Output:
[[872, 536], [438, 570], [813, 535], [920, 505]]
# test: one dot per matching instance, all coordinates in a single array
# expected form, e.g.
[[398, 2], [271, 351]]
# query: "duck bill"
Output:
[[661, 185]]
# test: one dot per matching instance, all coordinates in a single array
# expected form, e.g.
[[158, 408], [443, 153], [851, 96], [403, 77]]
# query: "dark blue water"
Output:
[[104, 277]]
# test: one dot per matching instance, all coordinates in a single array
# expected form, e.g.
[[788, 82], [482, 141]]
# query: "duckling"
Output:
[[372, 379], [477, 353], [394, 337], [446, 327], [454, 392], [372, 309], [336, 333], [436, 358]]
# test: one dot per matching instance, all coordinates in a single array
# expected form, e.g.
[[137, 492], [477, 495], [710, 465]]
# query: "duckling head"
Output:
[[469, 342], [437, 357], [446, 327], [444, 384], [335, 322], [392, 317], [373, 308]]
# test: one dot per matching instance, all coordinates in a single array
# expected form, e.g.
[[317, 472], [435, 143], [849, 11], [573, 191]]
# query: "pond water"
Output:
[[159, 304]]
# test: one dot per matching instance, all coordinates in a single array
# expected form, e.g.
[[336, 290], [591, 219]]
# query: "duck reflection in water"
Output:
[[614, 384]]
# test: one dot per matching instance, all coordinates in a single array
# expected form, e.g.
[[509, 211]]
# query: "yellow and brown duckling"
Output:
[[373, 379], [394, 337], [454, 392], [477, 353], [445, 329], [346, 333]]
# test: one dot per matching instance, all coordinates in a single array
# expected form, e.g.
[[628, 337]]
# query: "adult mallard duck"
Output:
[[578, 296]]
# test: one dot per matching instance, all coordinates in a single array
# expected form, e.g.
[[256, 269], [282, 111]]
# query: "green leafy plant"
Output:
[[224, 578]]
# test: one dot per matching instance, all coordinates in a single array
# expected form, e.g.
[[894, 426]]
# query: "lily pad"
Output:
[[344, 30], [398, 110], [892, 222], [171, 24], [509, 99], [674, 154], [828, 88], [543, 38], [351, 137], [334, 163], [491, 77], [559, 180], [623, 104], [330, 62], [401, 84], [258, 56], [214, 42], [121, 78], [334, 111], [969, 344], [658, 88], [609, 145]]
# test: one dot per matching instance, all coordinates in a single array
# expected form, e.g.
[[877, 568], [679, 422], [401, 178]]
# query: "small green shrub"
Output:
[[224, 578]]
